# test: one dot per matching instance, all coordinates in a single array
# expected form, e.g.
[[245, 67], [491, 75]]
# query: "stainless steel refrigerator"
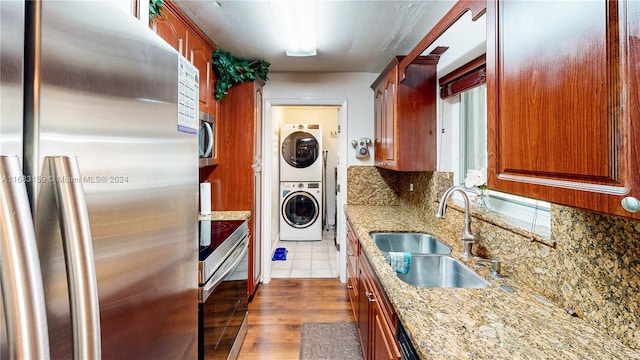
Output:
[[98, 186]]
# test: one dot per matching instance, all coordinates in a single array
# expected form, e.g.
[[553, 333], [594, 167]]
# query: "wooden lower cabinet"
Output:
[[375, 318], [384, 342], [352, 270], [363, 321]]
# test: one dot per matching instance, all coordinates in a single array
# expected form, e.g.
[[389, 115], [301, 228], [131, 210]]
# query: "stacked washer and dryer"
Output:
[[301, 182]]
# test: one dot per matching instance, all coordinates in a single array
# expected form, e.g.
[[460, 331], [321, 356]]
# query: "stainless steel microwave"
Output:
[[206, 143]]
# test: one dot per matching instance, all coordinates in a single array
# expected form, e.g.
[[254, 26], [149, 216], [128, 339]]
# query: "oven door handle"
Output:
[[238, 253]]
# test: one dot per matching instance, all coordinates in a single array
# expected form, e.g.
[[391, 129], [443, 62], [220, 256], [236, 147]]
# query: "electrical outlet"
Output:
[[411, 187]]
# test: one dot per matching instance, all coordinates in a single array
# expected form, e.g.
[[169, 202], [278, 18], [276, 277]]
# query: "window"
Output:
[[473, 132], [463, 143]]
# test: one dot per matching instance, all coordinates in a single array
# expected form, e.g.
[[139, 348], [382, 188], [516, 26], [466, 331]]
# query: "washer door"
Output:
[[300, 209], [300, 149]]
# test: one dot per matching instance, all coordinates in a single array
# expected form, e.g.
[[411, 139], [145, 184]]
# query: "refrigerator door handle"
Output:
[[78, 248], [22, 286]]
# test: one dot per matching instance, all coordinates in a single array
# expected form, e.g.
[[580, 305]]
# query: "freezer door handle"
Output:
[[22, 287], [78, 247]]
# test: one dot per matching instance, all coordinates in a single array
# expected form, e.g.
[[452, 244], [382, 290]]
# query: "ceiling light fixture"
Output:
[[297, 25]]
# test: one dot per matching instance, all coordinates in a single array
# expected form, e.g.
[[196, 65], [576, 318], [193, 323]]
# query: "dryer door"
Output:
[[300, 209], [300, 149]]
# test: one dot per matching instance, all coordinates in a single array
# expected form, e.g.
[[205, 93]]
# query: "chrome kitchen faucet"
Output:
[[468, 239]]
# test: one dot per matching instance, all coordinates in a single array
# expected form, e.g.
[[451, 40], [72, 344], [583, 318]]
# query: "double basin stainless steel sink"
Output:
[[431, 262]]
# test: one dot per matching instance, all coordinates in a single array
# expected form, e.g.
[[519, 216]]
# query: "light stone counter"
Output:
[[226, 215], [491, 323]]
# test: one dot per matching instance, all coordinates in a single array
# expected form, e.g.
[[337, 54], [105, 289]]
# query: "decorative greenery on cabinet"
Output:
[[155, 9], [231, 70]]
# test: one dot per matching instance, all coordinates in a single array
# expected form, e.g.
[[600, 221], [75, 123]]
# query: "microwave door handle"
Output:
[[209, 129], [78, 248], [22, 286]]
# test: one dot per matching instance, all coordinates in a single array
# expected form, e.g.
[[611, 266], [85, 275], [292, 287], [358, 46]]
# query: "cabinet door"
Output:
[[384, 345], [364, 297], [389, 118], [256, 253], [171, 29], [352, 289], [200, 57], [352, 268], [562, 96], [379, 155]]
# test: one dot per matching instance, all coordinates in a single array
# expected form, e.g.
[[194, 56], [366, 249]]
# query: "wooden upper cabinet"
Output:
[[378, 156], [171, 28], [199, 53], [389, 123], [405, 116], [177, 30], [563, 101]]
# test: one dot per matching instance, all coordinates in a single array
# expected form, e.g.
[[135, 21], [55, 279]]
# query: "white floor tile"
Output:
[[281, 265], [320, 265], [280, 273], [303, 256], [298, 273], [308, 258], [322, 255], [301, 265], [324, 273], [304, 248]]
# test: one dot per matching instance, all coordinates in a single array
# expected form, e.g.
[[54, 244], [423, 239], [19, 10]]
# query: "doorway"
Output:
[[318, 258]]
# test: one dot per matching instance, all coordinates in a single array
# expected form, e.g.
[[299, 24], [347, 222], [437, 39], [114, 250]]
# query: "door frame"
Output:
[[268, 159]]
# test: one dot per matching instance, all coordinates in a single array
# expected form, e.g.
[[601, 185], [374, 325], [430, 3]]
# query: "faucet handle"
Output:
[[495, 266]]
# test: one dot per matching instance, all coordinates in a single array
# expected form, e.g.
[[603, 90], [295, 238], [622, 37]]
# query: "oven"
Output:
[[222, 296]]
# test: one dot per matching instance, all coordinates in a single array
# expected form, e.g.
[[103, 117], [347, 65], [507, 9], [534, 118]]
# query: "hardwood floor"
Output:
[[279, 309]]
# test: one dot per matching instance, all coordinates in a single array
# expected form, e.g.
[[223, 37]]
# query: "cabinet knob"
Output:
[[370, 296], [630, 204]]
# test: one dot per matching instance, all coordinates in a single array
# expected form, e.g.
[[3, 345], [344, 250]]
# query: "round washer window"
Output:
[[300, 149], [300, 209]]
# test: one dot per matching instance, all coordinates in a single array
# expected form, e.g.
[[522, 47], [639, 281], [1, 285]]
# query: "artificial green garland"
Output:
[[155, 9], [231, 70]]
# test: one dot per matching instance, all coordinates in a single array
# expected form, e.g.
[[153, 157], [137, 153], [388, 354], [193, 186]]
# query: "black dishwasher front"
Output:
[[406, 347]]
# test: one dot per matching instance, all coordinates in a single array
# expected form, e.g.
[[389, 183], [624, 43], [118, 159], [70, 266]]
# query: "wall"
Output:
[[352, 93], [594, 269]]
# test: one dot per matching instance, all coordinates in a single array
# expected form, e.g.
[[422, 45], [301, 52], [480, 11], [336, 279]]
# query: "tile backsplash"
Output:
[[594, 269]]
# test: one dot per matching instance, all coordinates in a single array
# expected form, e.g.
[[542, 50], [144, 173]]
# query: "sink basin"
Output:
[[416, 243], [441, 271]]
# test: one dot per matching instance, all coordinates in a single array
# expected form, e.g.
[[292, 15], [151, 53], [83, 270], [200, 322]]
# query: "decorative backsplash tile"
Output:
[[594, 269]]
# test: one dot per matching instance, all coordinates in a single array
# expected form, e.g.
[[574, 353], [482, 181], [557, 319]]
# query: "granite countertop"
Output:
[[490, 323], [226, 215]]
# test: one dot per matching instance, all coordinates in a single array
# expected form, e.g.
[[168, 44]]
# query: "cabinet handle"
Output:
[[370, 296], [631, 204], [349, 287]]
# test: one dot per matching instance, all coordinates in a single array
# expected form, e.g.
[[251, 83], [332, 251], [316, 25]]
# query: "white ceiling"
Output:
[[353, 36]]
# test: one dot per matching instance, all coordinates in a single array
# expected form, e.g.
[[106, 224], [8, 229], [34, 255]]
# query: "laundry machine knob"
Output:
[[300, 185]]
